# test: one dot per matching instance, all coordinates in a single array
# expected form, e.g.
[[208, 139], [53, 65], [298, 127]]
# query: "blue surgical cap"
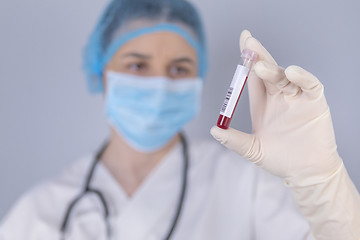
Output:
[[124, 20]]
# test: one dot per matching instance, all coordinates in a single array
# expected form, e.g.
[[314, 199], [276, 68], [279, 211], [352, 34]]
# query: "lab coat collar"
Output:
[[155, 200]]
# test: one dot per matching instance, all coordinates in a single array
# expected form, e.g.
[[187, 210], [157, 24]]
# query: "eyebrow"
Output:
[[183, 59], [137, 55], [144, 56]]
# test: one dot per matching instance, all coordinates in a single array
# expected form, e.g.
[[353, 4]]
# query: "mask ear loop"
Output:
[[85, 191]]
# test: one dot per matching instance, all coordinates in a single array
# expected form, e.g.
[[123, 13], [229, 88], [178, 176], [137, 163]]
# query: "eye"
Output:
[[138, 67], [179, 72]]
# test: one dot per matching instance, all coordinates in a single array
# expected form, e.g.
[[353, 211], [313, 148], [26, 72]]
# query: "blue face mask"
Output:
[[149, 111]]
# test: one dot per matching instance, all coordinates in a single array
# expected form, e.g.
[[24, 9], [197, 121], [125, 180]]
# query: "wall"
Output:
[[48, 119]]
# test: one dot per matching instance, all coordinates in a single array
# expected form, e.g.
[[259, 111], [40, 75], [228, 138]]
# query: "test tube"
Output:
[[248, 58]]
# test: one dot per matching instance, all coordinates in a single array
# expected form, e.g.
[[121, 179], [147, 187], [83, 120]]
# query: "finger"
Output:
[[301, 78], [245, 34], [273, 76], [234, 140], [257, 98], [275, 79], [291, 90], [254, 45], [257, 90], [256, 86], [248, 41]]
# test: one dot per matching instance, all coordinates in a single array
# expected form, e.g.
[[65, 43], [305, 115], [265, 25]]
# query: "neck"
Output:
[[127, 165]]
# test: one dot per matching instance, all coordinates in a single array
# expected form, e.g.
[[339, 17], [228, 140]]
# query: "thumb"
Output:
[[239, 142]]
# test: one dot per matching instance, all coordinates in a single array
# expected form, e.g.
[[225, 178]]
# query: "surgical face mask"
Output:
[[149, 111]]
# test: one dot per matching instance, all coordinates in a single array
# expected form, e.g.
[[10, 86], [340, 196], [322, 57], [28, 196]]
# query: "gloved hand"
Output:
[[292, 135], [293, 138]]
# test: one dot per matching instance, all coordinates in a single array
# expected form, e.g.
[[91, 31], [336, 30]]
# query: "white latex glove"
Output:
[[293, 138]]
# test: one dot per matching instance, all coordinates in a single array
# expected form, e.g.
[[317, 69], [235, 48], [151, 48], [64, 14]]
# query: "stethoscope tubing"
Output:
[[88, 190]]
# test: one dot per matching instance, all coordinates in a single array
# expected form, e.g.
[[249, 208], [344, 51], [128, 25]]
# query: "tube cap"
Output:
[[248, 54]]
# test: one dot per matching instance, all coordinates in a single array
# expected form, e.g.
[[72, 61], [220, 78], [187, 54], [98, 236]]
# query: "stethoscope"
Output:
[[89, 190]]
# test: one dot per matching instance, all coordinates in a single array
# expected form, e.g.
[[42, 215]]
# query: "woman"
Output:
[[149, 182]]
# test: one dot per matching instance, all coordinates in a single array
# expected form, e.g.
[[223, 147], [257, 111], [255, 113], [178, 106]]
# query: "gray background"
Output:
[[48, 119]]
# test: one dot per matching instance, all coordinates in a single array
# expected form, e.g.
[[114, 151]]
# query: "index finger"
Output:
[[251, 43]]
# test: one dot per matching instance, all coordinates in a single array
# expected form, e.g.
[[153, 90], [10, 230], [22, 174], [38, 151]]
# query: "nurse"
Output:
[[149, 181]]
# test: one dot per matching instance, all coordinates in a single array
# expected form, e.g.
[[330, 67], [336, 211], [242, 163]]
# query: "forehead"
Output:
[[159, 44]]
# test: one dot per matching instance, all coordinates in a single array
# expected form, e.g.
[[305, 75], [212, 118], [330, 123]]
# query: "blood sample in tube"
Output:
[[248, 58]]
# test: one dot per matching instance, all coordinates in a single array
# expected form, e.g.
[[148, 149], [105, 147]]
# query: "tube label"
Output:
[[234, 91]]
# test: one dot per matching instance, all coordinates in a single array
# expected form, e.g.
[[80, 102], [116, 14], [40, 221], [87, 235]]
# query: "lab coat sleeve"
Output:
[[19, 222], [35, 216], [38, 214], [22, 222], [276, 215]]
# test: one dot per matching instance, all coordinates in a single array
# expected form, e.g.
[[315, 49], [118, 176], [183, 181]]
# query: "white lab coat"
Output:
[[227, 198]]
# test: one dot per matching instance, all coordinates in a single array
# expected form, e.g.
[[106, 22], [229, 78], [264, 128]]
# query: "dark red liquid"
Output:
[[223, 121]]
